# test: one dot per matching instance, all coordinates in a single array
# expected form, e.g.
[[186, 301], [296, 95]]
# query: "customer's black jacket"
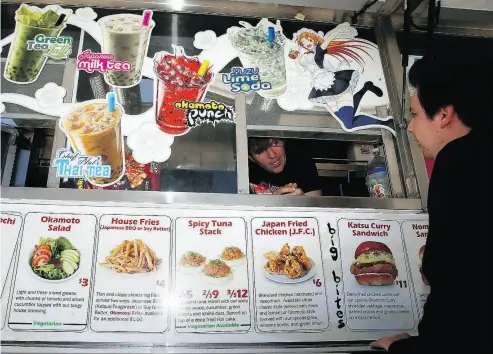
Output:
[[458, 259]]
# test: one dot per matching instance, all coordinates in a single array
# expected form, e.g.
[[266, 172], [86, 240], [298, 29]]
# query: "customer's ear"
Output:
[[445, 115]]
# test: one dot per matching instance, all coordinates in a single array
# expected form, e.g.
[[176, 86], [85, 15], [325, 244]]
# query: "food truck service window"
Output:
[[158, 101]]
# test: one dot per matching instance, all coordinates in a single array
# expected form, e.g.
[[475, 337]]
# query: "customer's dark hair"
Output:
[[259, 145], [463, 80]]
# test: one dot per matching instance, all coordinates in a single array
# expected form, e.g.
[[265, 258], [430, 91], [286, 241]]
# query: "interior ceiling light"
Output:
[[177, 5]]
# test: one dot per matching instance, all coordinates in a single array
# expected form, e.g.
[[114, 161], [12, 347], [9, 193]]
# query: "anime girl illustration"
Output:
[[327, 59]]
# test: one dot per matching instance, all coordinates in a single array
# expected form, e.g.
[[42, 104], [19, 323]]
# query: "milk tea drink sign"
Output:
[[126, 40]]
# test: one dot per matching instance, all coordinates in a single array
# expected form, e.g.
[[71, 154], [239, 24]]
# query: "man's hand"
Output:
[[384, 343], [289, 189]]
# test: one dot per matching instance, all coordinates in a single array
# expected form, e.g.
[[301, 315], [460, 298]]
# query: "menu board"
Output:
[[175, 276], [289, 280], [132, 274], [415, 234], [376, 283], [10, 227], [51, 290], [211, 275]]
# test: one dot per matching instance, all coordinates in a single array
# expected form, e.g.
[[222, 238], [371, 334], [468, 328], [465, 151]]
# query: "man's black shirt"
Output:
[[457, 258], [299, 170]]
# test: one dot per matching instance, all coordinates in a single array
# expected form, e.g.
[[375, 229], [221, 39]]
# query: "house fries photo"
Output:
[[132, 257]]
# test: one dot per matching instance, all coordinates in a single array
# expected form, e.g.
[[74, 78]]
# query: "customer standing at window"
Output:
[[451, 122]]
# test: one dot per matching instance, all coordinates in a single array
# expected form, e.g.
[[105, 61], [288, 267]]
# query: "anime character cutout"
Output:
[[328, 60]]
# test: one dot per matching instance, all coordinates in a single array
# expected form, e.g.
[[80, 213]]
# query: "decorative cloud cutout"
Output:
[[86, 14], [132, 123], [205, 39], [296, 95], [2, 107], [149, 144], [50, 95]]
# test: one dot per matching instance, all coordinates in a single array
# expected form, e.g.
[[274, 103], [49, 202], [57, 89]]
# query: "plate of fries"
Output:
[[132, 257]]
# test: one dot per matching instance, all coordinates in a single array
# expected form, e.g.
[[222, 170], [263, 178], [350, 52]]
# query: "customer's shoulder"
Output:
[[467, 148]]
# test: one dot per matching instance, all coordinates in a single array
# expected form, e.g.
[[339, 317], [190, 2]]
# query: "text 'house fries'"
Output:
[[132, 257]]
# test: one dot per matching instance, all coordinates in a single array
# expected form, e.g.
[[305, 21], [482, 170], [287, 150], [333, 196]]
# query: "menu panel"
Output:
[[415, 235], [166, 277], [211, 275], [10, 227], [52, 282], [131, 290], [289, 280], [376, 284]]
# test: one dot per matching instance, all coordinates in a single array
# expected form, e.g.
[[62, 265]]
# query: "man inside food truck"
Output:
[[451, 120], [275, 169]]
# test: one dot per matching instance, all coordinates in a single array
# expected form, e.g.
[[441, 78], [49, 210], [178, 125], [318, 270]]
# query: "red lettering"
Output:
[[123, 222]]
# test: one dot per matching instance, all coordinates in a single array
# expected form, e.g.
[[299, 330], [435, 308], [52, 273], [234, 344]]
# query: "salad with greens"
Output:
[[55, 259]]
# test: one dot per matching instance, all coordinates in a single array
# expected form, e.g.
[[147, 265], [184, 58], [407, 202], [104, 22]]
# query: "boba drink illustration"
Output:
[[179, 77], [24, 66], [262, 47], [95, 130], [126, 36]]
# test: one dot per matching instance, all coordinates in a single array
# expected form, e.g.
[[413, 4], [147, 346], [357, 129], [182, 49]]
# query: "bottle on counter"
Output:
[[377, 178]]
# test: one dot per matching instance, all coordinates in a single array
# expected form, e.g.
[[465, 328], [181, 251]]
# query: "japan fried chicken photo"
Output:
[[300, 254], [292, 268], [293, 263]]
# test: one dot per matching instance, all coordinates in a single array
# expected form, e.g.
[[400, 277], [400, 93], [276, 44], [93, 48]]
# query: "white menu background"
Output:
[[386, 307], [73, 317], [415, 235], [294, 318], [146, 285]]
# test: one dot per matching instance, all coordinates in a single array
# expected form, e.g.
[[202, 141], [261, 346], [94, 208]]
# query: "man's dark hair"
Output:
[[462, 79], [259, 145]]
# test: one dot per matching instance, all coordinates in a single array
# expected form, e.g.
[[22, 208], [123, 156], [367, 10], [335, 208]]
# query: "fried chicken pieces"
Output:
[[292, 263]]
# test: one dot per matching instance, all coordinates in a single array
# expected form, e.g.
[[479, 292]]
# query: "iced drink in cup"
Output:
[[24, 66], [178, 79], [95, 131], [125, 36], [257, 50]]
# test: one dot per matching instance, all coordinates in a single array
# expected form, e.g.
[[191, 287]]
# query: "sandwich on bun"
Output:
[[374, 264], [421, 252]]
